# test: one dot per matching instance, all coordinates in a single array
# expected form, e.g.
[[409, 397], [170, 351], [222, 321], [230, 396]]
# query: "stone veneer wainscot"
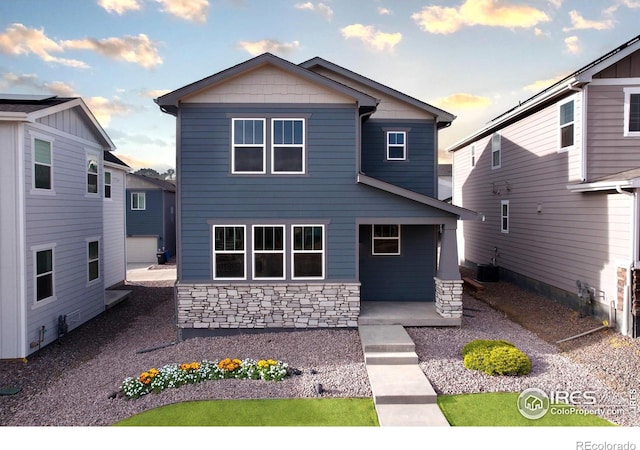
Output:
[[449, 297], [276, 305]]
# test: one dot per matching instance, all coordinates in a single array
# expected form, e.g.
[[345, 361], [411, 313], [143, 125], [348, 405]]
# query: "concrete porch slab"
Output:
[[408, 314]]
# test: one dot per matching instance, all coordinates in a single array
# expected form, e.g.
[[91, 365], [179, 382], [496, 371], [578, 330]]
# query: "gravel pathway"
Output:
[[71, 383]]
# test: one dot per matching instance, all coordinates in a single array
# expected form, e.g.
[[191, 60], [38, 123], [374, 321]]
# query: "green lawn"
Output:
[[330, 412], [499, 409]]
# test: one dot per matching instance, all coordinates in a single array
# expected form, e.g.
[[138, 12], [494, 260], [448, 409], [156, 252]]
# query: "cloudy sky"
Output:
[[473, 58]]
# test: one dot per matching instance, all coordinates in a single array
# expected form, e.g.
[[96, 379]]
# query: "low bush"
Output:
[[495, 357]]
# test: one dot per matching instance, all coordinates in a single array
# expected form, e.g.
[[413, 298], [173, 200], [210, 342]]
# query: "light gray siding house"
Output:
[[51, 215], [114, 223], [305, 191], [556, 182]]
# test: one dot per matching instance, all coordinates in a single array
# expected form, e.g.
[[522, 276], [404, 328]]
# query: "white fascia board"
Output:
[[605, 185]]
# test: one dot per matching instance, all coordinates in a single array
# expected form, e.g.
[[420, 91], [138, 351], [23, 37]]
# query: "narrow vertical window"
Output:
[[92, 174], [496, 151], [632, 112], [288, 153], [504, 216], [138, 201], [567, 125], [308, 251], [396, 145], [268, 252], [229, 252], [93, 260], [44, 288], [107, 185], [248, 149], [473, 155], [42, 163], [386, 240]]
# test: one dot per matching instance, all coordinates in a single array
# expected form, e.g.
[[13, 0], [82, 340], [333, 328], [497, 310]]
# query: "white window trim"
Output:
[[89, 260], [627, 105], [91, 155], [374, 238], [234, 145], [322, 252], [34, 250], [303, 145], [496, 149], [50, 140], [562, 149], [404, 146], [502, 216], [110, 184], [229, 252], [145, 201], [282, 252]]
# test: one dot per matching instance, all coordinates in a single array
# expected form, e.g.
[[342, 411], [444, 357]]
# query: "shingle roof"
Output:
[[26, 104]]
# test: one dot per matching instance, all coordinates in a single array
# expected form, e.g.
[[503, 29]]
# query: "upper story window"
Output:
[[567, 126], [138, 201], [396, 145], [248, 149], [386, 240], [473, 155], [42, 165], [268, 252], [229, 260], [632, 112], [107, 185], [496, 151], [92, 174], [287, 154]]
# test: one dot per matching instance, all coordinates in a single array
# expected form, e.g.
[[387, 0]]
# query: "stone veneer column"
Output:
[[449, 297]]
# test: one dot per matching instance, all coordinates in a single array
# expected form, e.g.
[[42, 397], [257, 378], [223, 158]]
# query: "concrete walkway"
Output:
[[143, 272], [402, 393]]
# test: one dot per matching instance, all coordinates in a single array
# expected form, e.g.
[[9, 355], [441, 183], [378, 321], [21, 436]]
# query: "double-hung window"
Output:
[[308, 252], [473, 155], [42, 165], [287, 154], [92, 174], [632, 112], [107, 185], [248, 149], [268, 252], [229, 252], [567, 125], [504, 216], [93, 260], [386, 240], [496, 151], [44, 285], [138, 201], [396, 145]]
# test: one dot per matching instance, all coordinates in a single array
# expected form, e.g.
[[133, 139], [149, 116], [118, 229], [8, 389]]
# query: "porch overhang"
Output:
[[629, 179]]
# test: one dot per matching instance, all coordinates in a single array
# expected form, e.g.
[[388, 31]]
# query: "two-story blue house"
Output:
[[305, 192]]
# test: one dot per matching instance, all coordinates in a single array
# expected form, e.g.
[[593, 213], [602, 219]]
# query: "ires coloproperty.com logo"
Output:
[[534, 403]]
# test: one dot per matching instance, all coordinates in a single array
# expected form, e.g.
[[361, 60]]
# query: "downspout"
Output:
[[583, 129], [359, 140]]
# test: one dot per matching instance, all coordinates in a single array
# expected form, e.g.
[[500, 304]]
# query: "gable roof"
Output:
[[569, 83], [442, 117], [114, 160], [169, 102], [30, 108], [162, 184]]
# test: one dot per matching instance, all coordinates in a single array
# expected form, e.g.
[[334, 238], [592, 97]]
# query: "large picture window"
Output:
[[44, 286], [229, 252], [386, 240], [42, 164], [268, 252], [287, 154], [632, 112], [248, 150], [308, 251], [567, 125]]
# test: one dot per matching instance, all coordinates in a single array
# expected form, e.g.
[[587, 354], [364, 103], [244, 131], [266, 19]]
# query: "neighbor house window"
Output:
[[93, 259], [248, 149], [496, 151], [107, 185], [44, 286], [42, 164], [138, 201], [229, 252], [386, 240], [268, 252], [308, 251], [632, 112], [504, 216], [92, 174], [396, 145], [567, 125], [287, 153], [473, 155]]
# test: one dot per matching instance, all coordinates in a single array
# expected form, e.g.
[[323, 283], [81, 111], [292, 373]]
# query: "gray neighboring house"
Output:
[[305, 191], [51, 216], [556, 180], [151, 218], [114, 221]]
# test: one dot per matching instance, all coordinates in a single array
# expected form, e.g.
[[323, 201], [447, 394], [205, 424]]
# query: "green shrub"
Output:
[[495, 357]]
